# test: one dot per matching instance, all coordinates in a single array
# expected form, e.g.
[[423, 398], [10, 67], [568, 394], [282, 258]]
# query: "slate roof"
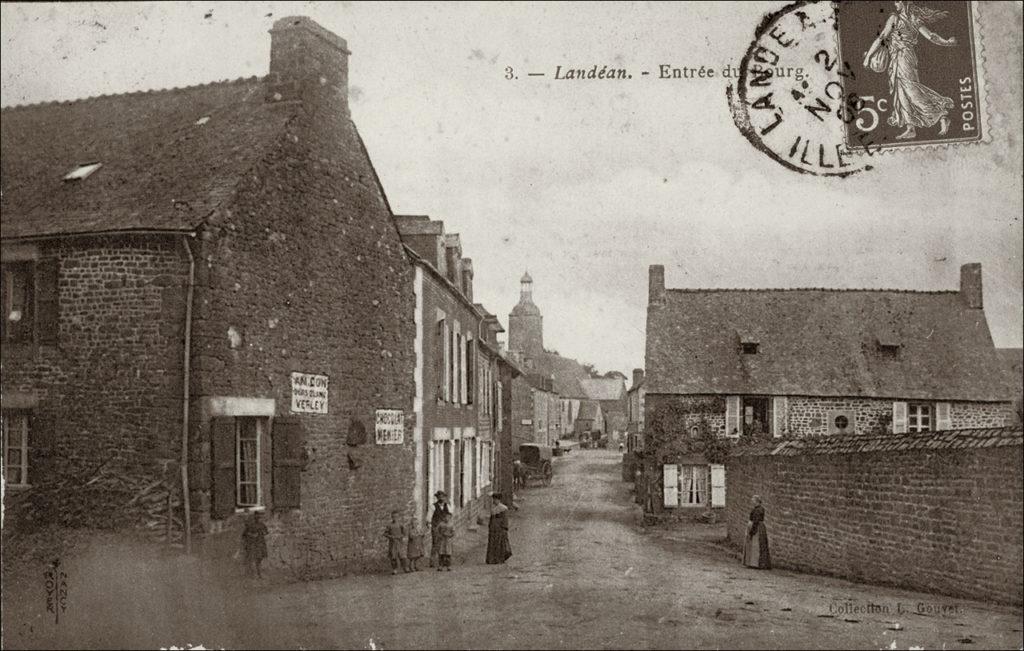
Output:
[[566, 372], [860, 443], [822, 342], [604, 388], [1013, 362], [588, 410], [160, 170]]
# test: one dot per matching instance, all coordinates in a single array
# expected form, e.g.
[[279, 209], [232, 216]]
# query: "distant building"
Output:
[[635, 412], [817, 362], [526, 348], [610, 392], [454, 406]]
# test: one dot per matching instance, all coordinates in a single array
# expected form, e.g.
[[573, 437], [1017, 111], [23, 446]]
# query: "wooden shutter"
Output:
[[899, 417], [732, 415], [717, 485], [780, 413], [287, 462], [943, 416], [47, 276], [222, 498], [670, 483], [440, 359]]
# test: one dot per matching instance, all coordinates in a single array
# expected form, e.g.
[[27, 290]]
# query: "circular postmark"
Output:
[[789, 100]]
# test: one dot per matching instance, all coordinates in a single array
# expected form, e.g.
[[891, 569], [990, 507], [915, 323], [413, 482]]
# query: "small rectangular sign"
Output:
[[390, 429], [309, 393], [526, 421]]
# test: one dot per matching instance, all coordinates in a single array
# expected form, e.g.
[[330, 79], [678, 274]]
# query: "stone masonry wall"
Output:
[[304, 271], [945, 521], [808, 415], [108, 395]]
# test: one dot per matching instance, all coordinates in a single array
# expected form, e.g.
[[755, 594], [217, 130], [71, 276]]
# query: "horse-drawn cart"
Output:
[[535, 463]]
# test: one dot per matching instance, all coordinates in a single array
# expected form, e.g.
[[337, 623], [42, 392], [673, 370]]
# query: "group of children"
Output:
[[405, 544]]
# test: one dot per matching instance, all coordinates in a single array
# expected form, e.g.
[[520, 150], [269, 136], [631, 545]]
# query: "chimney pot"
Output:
[[970, 285], [638, 377]]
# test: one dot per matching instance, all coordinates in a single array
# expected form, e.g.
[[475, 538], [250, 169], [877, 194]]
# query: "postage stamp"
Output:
[[915, 73], [789, 100]]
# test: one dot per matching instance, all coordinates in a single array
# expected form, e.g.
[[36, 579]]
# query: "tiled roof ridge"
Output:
[[150, 91], [752, 290]]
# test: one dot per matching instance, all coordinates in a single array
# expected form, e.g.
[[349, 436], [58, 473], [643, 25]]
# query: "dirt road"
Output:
[[583, 575]]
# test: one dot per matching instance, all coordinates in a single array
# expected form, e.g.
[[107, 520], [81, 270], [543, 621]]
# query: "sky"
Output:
[[585, 184]]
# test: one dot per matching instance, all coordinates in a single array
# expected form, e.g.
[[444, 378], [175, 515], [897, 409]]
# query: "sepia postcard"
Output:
[[512, 325]]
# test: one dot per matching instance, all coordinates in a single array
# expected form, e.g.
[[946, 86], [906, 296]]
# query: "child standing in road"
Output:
[[415, 551], [445, 533], [396, 534]]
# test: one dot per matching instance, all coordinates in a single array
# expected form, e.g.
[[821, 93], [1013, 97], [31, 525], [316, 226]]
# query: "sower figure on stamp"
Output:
[[440, 510], [913, 104], [755, 546], [254, 544]]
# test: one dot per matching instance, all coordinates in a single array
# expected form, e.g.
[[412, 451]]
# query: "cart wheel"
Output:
[[547, 474]]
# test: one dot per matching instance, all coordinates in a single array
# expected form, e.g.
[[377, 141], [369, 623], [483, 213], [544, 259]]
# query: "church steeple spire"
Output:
[[525, 323], [526, 288]]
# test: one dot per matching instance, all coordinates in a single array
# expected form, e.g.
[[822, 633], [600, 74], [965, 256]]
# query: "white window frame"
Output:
[[690, 473], [21, 418], [918, 411], [259, 462]]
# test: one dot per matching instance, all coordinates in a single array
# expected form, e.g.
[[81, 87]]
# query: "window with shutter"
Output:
[[780, 414], [943, 416], [732, 415], [287, 463], [440, 359], [48, 301], [470, 371], [222, 433], [717, 485], [15, 425], [19, 303], [899, 417], [670, 484]]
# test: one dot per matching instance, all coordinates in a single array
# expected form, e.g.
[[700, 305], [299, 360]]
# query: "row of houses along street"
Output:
[[224, 306], [211, 310]]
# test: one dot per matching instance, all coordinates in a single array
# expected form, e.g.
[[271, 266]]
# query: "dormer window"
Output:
[[82, 171], [750, 347]]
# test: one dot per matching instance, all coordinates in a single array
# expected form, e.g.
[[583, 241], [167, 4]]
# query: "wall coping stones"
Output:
[[859, 443]]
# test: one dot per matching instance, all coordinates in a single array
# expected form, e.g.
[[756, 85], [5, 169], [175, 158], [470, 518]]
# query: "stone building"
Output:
[[526, 348], [816, 362], [610, 392], [635, 412], [454, 447], [205, 293]]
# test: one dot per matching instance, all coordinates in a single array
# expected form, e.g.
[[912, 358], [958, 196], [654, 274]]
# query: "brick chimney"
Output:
[[467, 278], [306, 62], [425, 237], [970, 285], [656, 284], [638, 377], [453, 259]]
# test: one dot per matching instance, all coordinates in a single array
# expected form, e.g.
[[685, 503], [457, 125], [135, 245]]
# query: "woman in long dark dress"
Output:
[[755, 547], [498, 549]]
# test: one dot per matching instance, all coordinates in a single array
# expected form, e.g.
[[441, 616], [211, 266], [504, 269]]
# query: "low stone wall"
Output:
[[938, 512]]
